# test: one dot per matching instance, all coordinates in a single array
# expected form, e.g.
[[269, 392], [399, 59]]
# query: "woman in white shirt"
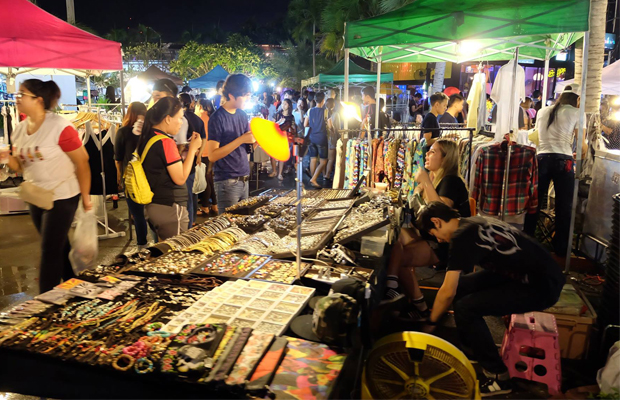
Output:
[[49, 152], [557, 126]]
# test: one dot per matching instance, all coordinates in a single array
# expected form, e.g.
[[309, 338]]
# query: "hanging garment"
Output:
[[375, 177], [501, 94], [95, 148], [380, 167], [400, 164], [408, 178], [418, 162], [473, 99], [522, 193], [339, 173]]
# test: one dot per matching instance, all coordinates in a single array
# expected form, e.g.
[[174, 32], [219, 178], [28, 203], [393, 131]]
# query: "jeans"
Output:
[[487, 293], [139, 220], [53, 226], [560, 169], [191, 203], [230, 192]]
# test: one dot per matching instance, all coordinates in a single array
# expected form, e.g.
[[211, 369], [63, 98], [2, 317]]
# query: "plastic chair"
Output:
[[531, 350]]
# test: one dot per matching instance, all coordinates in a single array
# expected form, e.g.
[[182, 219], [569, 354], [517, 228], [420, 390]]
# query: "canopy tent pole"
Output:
[[509, 147], [545, 79], [346, 83], [90, 104], [378, 94], [122, 94], [482, 106], [580, 134]]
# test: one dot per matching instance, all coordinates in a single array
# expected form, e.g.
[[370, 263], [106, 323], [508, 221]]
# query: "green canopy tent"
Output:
[[469, 30], [335, 77]]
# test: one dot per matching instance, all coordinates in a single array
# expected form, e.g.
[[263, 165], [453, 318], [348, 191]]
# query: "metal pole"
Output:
[[378, 95], [90, 104], [298, 207], [346, 82], [70, 12], [505, 184], [545, 78], [122, 94], [580, 134]]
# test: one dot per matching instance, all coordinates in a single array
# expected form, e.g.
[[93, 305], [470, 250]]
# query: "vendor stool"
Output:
[[531, 349]]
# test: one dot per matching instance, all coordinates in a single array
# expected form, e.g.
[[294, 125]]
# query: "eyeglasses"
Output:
[[19, 95]]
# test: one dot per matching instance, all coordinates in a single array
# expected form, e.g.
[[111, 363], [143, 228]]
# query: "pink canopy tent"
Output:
[[34, 41], [33, 38]]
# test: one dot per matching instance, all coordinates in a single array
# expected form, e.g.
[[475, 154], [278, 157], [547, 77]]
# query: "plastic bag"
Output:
[[85, 245], [200, 180]]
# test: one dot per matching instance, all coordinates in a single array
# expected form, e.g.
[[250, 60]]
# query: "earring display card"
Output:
[[279, 271], [265, 307], [231, 265]]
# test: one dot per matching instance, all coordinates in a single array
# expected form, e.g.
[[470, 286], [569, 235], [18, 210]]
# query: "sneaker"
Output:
[[412, 314], [494, 387]]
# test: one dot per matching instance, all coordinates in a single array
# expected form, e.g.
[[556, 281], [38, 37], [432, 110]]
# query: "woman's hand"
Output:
[[86, 203], [422, 176], [195, 143]]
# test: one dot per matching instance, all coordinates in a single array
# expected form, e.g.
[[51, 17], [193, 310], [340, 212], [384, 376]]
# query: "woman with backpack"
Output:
[[124, 146], [165, 171]]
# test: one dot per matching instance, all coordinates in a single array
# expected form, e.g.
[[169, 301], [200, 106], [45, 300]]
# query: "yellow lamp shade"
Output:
[[271, 138]]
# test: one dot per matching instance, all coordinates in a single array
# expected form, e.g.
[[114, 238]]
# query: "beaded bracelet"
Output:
[[144, 366], [130, 362]]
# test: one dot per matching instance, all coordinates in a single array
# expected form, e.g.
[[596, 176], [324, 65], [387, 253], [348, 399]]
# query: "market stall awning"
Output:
[[32, 38], [153, 73], [610, 78], [210, 79], [335, 76], [467, 30]]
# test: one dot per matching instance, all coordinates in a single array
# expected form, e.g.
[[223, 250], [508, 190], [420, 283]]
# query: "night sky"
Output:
[[168, 17]]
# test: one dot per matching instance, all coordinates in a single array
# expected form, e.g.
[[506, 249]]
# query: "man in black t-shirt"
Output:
[[415, 106], [518, 276], [430, 124]]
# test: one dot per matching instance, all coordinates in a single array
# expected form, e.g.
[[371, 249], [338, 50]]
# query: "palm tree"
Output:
[[294, 63], [306, 15], [440, 72], [147, 34], [191, 36], [117, 35]]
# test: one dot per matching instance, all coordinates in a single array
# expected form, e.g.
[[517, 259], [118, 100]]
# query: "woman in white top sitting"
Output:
[[557, 128], [49, 152]]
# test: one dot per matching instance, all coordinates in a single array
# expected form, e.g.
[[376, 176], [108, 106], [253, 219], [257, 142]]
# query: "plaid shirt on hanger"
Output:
[[522, 177]]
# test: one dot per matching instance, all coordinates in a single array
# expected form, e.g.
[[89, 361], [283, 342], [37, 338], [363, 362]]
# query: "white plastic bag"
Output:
[[85, 245], [200, 180]]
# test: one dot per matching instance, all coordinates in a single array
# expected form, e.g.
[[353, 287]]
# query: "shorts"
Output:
[[315, 150]]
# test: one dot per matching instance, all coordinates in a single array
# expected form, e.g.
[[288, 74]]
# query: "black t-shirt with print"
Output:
[[453, 188], [125, 145], [497, 246], [161, 155]]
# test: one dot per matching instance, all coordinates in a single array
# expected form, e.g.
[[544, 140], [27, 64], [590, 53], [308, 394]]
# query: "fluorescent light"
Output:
[[469, 47]]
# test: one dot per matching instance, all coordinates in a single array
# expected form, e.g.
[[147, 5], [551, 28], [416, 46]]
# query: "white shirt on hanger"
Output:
[[501, 93]]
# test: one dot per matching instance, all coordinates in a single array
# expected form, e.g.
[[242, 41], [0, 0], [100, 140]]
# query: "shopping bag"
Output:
[[200, 181], [85, 244]]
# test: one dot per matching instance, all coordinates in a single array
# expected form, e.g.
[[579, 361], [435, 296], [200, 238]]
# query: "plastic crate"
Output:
[[374, 242]]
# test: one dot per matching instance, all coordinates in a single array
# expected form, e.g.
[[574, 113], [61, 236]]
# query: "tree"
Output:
[[191, 35], [237, 55], [295, 64], [440, 72], [306, 15], [145, 52], [117, 35], [146, 34]]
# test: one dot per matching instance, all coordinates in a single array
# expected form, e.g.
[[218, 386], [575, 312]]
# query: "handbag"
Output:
[[38, 196]]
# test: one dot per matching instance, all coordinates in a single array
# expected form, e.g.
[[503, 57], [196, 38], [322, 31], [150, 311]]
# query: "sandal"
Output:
[[272, 175]]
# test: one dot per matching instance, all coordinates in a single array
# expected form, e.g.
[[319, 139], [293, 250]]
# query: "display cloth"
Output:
[[431, 30], [210, 79], [170, 323], [32, 39]]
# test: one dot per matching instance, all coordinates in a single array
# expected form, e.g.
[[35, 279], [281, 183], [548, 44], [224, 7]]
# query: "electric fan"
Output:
[[413, 365]]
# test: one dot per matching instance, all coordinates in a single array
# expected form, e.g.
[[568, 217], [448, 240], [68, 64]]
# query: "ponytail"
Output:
[[168, 106], [47, 90]]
